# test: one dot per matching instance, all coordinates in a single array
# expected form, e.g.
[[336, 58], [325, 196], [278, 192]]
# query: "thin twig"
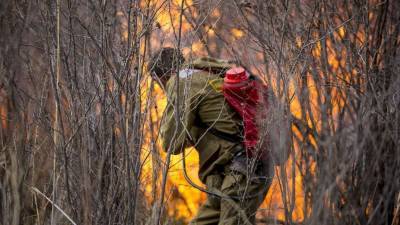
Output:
[[53, 204]]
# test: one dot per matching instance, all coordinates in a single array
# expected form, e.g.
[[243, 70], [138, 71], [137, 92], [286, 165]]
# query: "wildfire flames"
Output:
[[183, 199]]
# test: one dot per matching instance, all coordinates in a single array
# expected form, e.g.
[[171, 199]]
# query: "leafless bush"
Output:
[[72, 122], [334, 64], [342, 61], [79, 120]]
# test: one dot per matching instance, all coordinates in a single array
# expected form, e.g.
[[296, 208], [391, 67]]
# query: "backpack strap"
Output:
[[219, 134], [225, 136]]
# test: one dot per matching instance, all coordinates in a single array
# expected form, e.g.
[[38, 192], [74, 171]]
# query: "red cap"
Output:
[[236, 75]]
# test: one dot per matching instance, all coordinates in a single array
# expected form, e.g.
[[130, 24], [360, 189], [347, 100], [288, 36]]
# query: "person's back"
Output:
[[203, 108], [223, 164]]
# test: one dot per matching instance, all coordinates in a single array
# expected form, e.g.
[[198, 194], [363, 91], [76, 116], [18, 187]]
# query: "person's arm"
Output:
[[178, 137]]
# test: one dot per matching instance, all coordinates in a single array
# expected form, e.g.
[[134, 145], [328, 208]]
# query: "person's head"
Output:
[[163, 63]]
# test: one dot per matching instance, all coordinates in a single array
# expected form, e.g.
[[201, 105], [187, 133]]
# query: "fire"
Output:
[[184, 200], [3, 109], [3, 115], [237, 33]]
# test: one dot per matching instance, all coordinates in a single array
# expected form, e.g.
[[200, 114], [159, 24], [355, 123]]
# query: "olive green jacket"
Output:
[[201, 105]]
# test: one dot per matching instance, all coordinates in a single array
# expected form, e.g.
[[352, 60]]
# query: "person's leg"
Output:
[[209, 213], [216, 211], [242, 211]]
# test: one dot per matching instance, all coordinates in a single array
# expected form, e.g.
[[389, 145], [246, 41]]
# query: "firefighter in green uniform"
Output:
[[214, 129]]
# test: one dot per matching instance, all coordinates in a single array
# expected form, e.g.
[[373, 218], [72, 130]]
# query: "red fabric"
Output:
[[244, 95]]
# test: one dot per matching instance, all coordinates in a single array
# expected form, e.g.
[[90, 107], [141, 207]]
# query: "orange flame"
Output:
[[185, 199]]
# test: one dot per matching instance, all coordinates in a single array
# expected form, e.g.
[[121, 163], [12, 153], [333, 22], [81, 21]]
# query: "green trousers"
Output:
[[247, 195]]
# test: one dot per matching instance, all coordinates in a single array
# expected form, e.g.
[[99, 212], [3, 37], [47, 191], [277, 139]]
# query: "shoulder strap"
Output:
[[225, 136]]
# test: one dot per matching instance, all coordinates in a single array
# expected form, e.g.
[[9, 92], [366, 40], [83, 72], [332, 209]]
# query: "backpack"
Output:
[[249, 97], [265, 129]]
